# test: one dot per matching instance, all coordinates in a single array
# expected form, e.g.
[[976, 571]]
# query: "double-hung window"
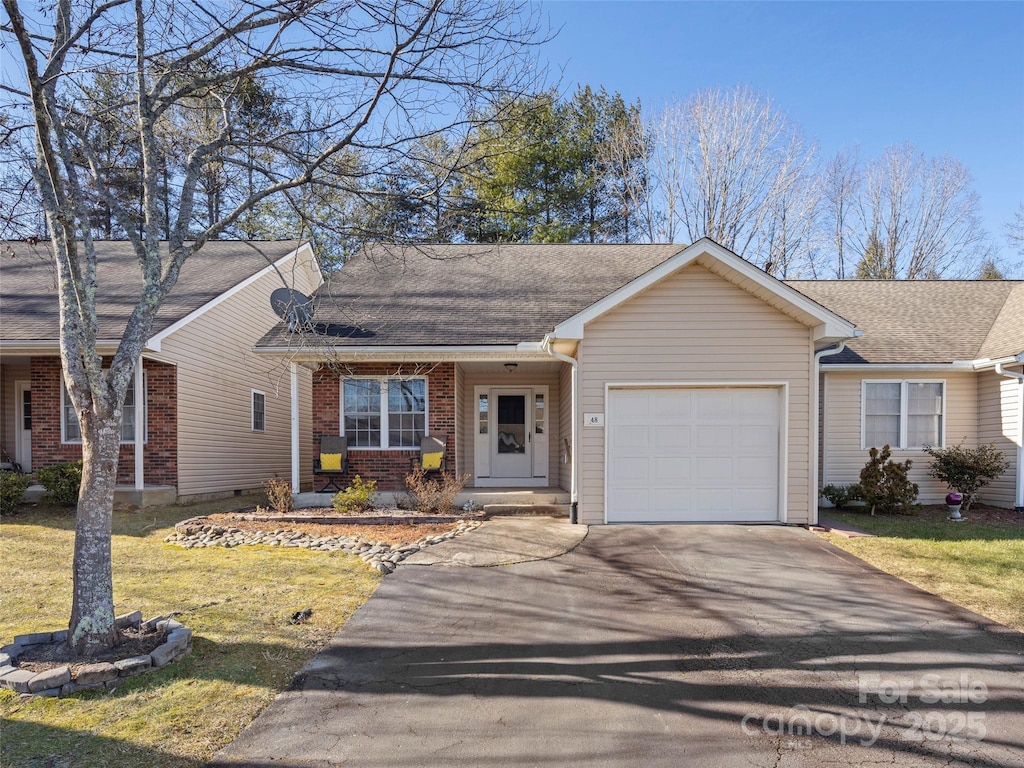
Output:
[[71, 431], [259, 411], [902, 414], [386, 412]]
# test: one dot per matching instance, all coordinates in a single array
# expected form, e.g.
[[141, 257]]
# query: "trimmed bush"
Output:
[[967, 470], [841, 495], [884, 484], [62, 482], [279, 496], [357, 497], [434, 495], [12, 488]]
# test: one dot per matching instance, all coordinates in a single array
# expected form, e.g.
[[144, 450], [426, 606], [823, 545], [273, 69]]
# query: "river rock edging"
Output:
[[192, 534]]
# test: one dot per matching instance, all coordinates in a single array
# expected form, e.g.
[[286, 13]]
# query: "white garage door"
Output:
[[693, 455]]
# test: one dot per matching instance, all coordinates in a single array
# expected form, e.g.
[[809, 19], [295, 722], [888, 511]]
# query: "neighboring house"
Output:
[[216, 418], [658, 383], [939, 363]]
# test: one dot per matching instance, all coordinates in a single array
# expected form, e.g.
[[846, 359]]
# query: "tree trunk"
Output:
[[92, 610]]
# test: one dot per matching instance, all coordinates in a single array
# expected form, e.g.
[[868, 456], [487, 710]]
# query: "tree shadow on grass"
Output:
[[34, 745]]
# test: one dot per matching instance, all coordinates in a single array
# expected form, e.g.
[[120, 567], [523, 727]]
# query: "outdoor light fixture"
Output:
[[511, 367]]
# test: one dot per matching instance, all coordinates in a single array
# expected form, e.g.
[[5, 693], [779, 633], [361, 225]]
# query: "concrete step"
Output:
[[541, 510]]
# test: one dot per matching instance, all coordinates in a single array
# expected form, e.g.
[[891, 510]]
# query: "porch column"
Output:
[[294, 371], [140, 426]]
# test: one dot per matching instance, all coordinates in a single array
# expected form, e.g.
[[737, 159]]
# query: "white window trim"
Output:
[[384, 431], [145, 414], [904, 412], [252, 410]]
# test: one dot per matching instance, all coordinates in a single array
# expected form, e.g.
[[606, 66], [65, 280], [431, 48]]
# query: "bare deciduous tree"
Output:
[[1015, 231], [918, 218], [728, 165], [373, 77], [841, 182]]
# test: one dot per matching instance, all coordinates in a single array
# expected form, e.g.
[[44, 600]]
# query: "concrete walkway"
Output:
[[653, 646], [504, 541]]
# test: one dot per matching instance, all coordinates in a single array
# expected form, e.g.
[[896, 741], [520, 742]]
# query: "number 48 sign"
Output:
[[593, 419]]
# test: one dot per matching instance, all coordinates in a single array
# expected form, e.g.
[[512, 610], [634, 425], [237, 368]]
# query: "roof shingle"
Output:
[[29, 296]]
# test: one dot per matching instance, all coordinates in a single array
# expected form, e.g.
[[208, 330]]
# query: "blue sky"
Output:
[[947, 76]]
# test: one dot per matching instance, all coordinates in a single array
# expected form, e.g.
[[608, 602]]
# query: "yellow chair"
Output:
[[333, 460]]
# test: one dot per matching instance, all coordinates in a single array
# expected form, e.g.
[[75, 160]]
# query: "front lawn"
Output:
[[978, 564], [237, 603]]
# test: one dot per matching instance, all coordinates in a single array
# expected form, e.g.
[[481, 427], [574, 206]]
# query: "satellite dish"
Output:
[[293, 307]]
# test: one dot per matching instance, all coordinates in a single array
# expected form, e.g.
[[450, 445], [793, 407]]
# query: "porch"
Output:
[[506, 423]]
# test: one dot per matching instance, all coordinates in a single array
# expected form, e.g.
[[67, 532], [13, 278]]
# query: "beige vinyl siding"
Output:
[[999, 423], [843, 456], [565, 428], [217, 370], [10, 373], [468, 416], [695, 326]]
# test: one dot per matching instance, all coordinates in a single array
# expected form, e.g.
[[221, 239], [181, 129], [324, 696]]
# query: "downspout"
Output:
[[574, 442], [816, 428], [1019, 501]]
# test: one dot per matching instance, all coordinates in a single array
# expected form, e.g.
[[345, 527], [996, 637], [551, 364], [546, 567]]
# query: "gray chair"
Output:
[[428, 460], [332, 462]]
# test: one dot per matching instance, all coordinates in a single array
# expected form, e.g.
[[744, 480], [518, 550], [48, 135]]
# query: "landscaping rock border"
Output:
[[103, 675], [190, 534]]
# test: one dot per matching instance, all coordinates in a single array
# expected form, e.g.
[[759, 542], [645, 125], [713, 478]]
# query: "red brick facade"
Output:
[[161, 447], [389, 468]]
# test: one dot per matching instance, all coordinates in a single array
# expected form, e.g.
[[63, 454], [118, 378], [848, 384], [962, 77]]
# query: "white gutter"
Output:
[[959, 365], [815, 426], [574, 442], [1019, 500]]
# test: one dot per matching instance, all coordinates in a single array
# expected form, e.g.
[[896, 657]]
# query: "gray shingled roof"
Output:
[[469, 294], [28, 292], [924, 321]]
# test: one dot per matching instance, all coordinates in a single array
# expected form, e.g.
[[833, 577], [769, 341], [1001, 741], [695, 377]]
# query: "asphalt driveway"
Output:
[[654, 646]]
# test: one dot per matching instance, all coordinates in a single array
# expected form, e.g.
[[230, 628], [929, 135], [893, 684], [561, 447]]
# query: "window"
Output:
[[385, 412], [71, 432], [902, 414], [259, 411]]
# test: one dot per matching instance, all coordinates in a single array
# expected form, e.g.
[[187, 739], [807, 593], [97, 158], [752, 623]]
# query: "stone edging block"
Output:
[[60, 681]]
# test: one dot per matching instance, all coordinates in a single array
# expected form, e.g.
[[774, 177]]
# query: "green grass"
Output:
[[978, 564], [237, 603]]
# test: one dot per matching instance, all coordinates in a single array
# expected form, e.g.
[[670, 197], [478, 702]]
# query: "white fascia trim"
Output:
[[156, 340], [987, 362], [831, 326], [958, 365]]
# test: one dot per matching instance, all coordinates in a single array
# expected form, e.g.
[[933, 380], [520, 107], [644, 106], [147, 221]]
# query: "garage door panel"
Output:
[[633, 438], [674, 439], [693, 454], [671, 407], [630, 472], [672, 471], [714, 439]]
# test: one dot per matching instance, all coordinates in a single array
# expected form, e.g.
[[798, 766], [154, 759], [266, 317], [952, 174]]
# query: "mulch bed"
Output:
[[134, 642], [979, 513]]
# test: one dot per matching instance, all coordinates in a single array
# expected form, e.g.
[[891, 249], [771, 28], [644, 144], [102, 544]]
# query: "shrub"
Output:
[[967, 470], [884, 484], [841, 495], [279, 496], [434, 495], [62, 482], [357, 497], [12, 488]]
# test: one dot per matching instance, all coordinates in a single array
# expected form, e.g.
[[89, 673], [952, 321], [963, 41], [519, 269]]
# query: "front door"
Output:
[[512, 435], [23, 426]]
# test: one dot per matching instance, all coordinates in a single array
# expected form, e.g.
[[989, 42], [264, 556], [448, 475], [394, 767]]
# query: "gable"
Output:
[[828, 326]]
